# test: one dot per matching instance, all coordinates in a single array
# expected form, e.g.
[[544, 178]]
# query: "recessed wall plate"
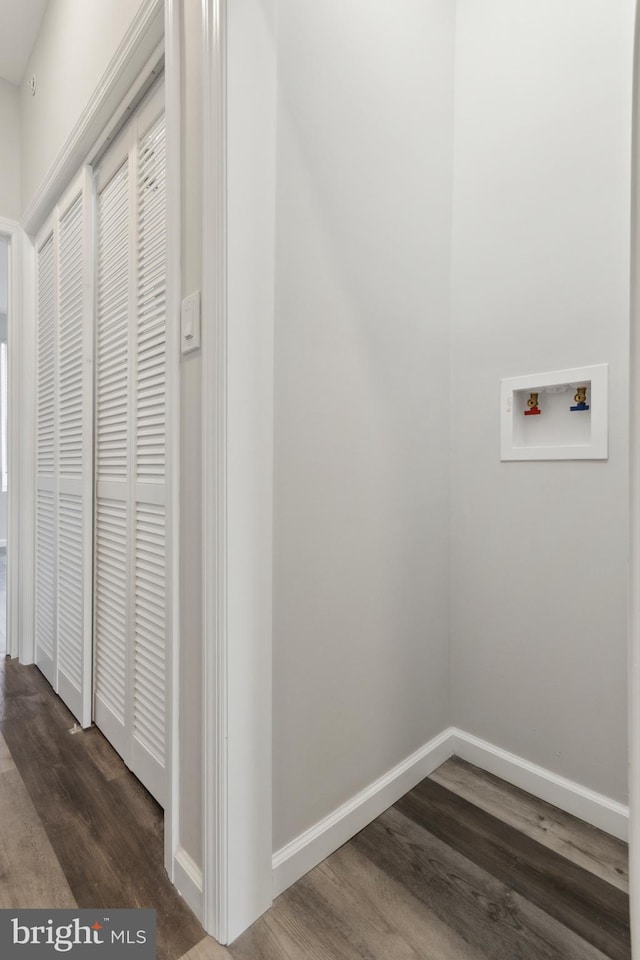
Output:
[[558, 415]]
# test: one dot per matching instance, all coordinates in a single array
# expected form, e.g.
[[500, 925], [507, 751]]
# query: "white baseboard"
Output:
[[587, 805], [187, 878], [311, 847], [319, 841]]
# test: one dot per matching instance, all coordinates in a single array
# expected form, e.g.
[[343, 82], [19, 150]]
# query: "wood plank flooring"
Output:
[[30, 872], [101, 834], [452, 872], [575, 840], [464, 867]]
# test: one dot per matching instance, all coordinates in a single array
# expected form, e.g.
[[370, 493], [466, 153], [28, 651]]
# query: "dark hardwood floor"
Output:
[[441, 877], [464, 867], [103, 827]]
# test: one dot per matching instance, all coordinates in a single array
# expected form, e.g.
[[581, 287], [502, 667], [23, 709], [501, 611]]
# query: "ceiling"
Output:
[[19, 24]]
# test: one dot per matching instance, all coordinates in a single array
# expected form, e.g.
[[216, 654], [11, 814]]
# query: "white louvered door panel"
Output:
[[112, 571], [64, 455], [46, 461], [131, 567], [75, 450], [149, 681], [64, 419]]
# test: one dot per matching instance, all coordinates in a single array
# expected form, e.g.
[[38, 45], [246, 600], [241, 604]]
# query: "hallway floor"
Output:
[[76, 827], [464, 867]]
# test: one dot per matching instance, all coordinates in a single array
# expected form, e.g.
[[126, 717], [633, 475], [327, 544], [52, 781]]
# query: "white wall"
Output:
[[4, 257], [541, 231], [10, 177], [75, 45], [361, 522], [191, 453]]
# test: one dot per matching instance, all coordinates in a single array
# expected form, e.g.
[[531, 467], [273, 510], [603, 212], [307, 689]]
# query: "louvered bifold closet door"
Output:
[[130, 525], [64, 503]]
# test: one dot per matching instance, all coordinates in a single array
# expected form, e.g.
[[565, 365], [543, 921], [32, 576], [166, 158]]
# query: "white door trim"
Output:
[[15, 403], [634, 524], [26, 426], [239, 108], [214, 464], [172, 92], [634, 603]]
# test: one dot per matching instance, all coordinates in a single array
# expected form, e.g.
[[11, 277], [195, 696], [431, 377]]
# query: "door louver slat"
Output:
[[113, 334], [151, 340], [70, 584], [45, 572], [150, 629], [111, 605], [46, 360], [70, 339]]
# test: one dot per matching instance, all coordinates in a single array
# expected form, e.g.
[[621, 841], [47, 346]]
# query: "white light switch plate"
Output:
[[190, 323]]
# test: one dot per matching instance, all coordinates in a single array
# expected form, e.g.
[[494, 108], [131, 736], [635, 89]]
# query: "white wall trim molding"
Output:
[[27, 454], [173, 121], [634, 516], [214, 462], [323, 838], [188, 879], [315, 844], [239, 74], [573, 798], [141, 39], [17, 439]]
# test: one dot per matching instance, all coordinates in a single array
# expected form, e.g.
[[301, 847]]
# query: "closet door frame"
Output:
[[152, 42]]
